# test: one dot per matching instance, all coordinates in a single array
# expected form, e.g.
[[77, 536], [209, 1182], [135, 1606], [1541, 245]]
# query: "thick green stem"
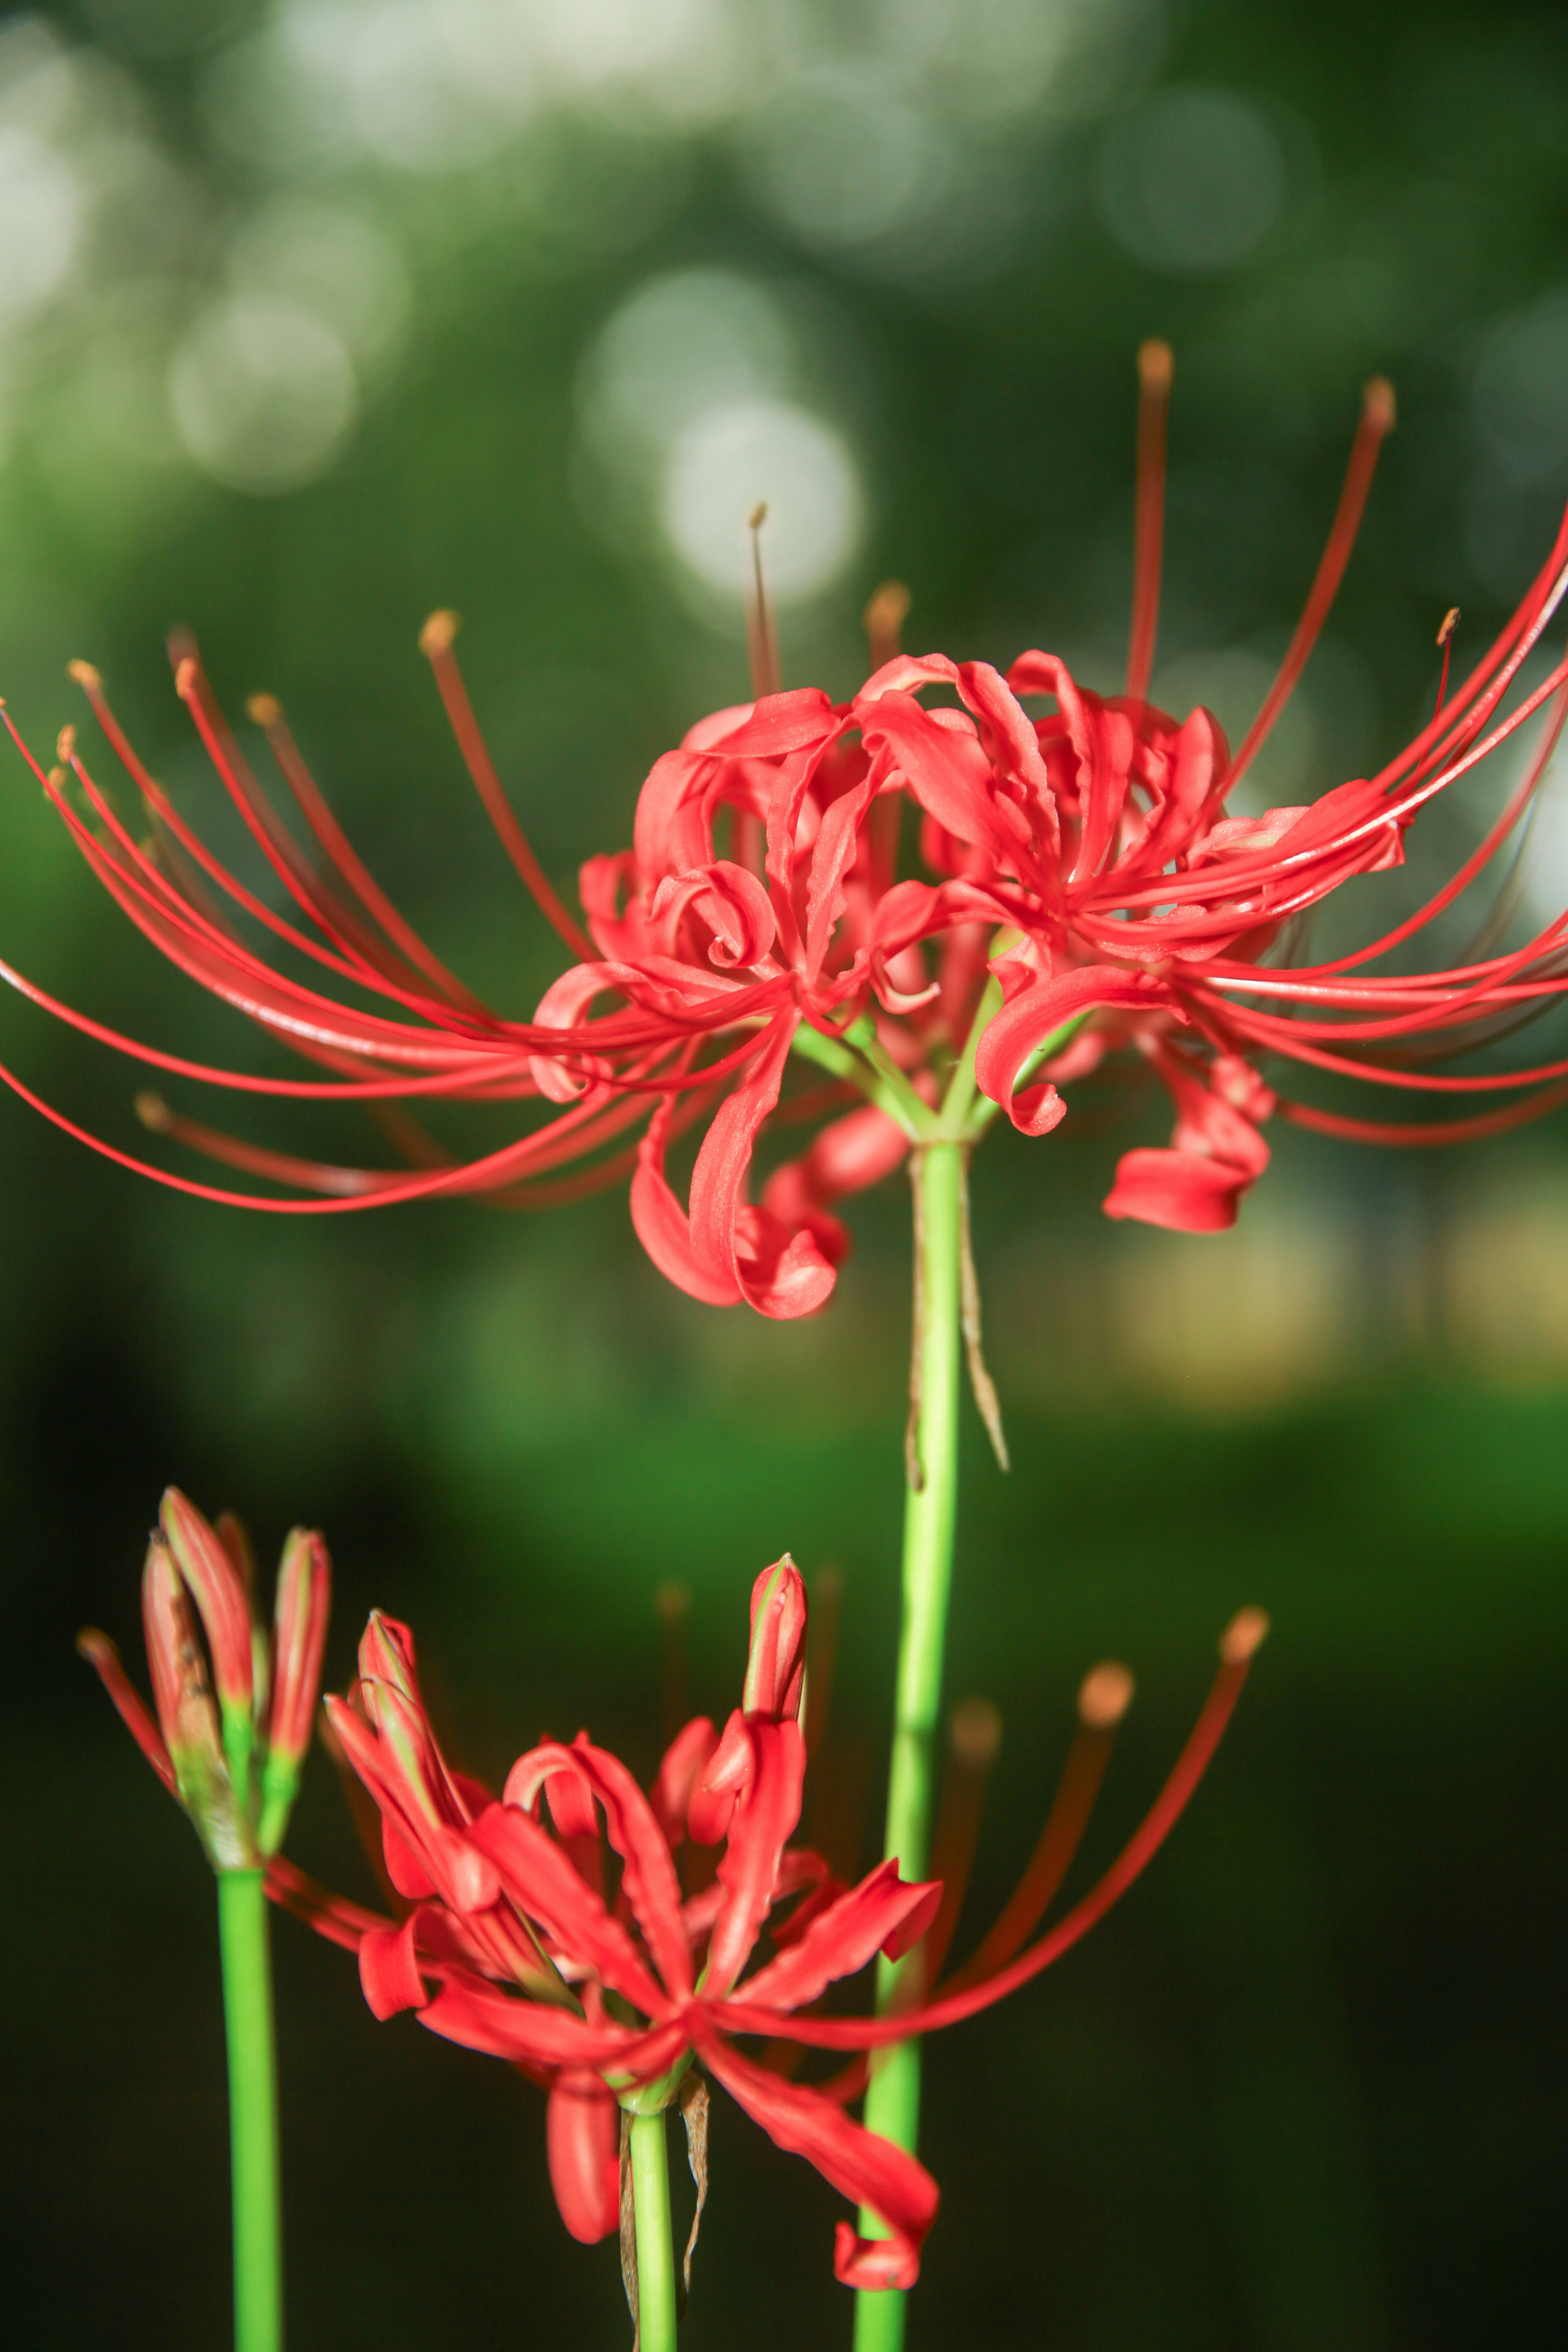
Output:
[[252, 2112], [656, 2247], [892, 2102]]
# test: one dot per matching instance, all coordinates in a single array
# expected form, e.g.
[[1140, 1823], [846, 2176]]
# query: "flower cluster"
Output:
[[950, 908], [232, 1720], [511, 1942]]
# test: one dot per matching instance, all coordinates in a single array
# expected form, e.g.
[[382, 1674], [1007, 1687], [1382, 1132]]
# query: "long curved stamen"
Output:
[[436, 644], [267, 712], [974, 1738], [1155, 366], [1445, 640], [1417, 1135], [1103, 1700], [1377, 416], [1238, 1644], [883, 622], [762, 634]]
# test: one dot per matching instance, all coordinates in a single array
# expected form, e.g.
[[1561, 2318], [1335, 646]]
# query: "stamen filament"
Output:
[[1376, 421], [1155, 368]]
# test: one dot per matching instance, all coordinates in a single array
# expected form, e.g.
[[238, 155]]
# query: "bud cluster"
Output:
[[233, 1703]]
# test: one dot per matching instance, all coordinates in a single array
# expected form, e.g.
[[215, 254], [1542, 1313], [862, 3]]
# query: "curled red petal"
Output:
[[480, 2016], [882, 1914], [782, 1276], [388, 1972], [857, 2163], [761, 1829], [663, 1228], [1179, 1190], [582, 2135], [544, 1883], [1037, 1007], [685, 1761]]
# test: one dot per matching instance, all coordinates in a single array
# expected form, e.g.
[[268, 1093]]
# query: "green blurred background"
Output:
[[314, 317]]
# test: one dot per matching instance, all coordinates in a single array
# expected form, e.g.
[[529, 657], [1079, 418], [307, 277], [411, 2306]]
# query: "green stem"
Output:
[[892, 2102], [656, 2247], [252, 2112]]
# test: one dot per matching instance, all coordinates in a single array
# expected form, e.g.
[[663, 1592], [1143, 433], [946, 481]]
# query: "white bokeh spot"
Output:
[[733, 457], [264, 394]]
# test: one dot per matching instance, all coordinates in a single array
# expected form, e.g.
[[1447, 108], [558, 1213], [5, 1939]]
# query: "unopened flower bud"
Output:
[[300, 1636], [775, 1668], [387, 1655], [187, 1713], [303, 1605], [219, 1591]]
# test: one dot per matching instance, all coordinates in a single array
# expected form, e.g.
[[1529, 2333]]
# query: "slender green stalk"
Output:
[[892, 2102], [656, 2247], [252, 2112]]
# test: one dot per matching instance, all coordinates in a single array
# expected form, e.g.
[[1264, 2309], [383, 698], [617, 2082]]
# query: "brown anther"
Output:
[[1243, 1636], [1450, 622], [758, 514], [1157, 365], [153, 1110], [883, 622], [59, 779], [186, 672], [672, 1603], [976, 1733], [65, 746], [1379, 406], [436, 637], [1105, 1694], [85, 675], [264, 709]]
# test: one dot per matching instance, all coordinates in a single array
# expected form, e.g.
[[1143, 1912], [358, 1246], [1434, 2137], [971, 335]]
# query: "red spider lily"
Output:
[[226, 1738], [510, 1944], [1082, 861]]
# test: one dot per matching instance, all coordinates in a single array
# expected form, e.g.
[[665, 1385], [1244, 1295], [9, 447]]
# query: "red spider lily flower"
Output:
[[1082, 862], [509, 1943], [231, 1721]]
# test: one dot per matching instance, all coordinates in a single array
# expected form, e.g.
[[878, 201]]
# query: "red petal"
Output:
[[582, 2133], [684, 1761], [758, 1833], [544, 1883], [858, 2164], [780, 1276], [648, 1880], [388, 1973], [100, 1653], [661, 1225], [1178, 1189], [881, 1914]]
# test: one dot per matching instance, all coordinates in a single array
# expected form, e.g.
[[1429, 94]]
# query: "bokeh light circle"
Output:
[[41, 216], [264, 394], [733, 457], [1192, 180]]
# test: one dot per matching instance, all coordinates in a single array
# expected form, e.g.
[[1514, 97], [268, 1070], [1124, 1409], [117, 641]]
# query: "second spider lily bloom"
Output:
[[508, 1944], [229, 1726], [231, 1709]]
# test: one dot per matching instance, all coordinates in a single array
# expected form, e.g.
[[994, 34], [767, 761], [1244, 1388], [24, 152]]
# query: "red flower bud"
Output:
[[208, 1569], [304, 1603], [186, 1714], [776, 1669]]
